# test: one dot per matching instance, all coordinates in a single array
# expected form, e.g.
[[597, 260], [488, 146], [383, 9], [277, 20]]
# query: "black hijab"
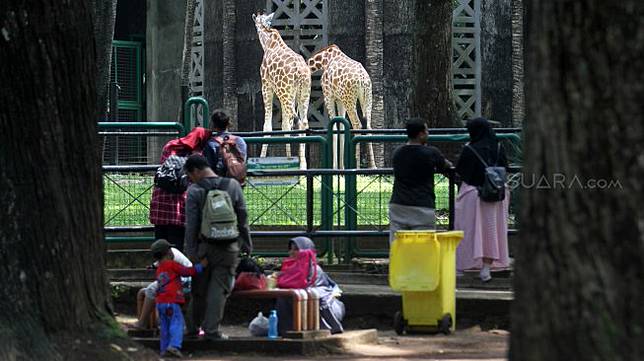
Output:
[[483, 140]]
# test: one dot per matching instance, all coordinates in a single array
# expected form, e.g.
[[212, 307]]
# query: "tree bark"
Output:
[[579, 268], [187, 42], [518, 98], [51, 205], [374, 66], [229, 85], [432, 98], [104, 14]]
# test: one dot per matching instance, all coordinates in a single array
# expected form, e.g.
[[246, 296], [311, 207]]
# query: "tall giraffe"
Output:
[[344, 83], [284, 73]]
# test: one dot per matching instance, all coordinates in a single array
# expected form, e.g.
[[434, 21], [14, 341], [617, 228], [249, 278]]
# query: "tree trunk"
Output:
[[186, 57], [518, 98], [104, 14], [579, 264], [432, 98], [374, 55], [229, 85], [187, 42], [51, 205]]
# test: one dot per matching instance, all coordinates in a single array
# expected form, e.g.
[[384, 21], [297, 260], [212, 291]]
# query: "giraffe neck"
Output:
[[321, 60], [271, 39]]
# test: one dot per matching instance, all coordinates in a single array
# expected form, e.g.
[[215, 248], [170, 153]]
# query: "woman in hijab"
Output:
[[485, 224], [331, 308]]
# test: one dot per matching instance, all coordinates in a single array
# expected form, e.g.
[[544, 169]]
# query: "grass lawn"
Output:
[[127, 199]]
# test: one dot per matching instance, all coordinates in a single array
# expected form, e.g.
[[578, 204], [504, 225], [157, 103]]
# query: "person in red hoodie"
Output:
[[170, 297], [167, 210]]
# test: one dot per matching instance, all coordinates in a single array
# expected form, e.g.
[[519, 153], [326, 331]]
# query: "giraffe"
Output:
[[284, 73], [345, 82]]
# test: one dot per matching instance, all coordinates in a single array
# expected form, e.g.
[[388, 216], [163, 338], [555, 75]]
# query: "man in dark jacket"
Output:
[[212, 288], [413, 199]]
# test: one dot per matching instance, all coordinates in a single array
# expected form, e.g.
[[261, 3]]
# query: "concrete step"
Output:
[[501, 280], [367, 306]]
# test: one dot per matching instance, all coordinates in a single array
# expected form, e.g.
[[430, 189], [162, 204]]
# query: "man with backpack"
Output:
[[217, 229], [226, 153]]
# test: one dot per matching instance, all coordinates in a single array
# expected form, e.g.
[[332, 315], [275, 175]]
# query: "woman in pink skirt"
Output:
[[485, 224]]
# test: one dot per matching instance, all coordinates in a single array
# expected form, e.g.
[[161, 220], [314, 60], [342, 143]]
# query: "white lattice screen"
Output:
[[466, 69]]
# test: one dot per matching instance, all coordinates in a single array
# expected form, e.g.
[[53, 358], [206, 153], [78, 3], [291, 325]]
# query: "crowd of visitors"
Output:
[[201, 225]]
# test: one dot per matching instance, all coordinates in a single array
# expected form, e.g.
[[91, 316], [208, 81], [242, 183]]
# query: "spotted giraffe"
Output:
[[284, 73], [344, 83]]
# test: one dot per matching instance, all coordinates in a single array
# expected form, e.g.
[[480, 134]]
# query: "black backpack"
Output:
[[170, 175], [493, 188]]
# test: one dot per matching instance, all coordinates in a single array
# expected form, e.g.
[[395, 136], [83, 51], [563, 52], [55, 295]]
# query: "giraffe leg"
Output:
[[365, 105], [288, 112], [303, 110], [355, 123], [329, 103], [342, 111], [267, 94]]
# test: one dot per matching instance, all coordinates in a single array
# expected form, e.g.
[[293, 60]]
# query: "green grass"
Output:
[[269, 205]]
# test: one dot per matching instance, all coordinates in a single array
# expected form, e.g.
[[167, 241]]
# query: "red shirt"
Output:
[[169, 277]]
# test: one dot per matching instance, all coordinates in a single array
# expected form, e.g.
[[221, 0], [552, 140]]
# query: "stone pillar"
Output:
[[164, 48], [496, 60]]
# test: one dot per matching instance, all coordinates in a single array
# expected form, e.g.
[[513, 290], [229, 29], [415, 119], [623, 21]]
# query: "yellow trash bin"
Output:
[[422, 266]]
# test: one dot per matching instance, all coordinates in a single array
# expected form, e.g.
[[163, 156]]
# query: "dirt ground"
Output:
[[465, 344]]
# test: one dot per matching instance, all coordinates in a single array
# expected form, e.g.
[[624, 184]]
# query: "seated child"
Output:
[[169, 297]]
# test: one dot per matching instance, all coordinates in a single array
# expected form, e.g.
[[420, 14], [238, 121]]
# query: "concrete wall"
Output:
[[164, 47]]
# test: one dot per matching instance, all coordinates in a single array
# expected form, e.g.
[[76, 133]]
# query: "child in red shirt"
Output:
[[169, 296]]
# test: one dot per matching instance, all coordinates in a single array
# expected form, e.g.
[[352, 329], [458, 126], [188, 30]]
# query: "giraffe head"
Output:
[[262, 21], [322, 58], [268, 36]]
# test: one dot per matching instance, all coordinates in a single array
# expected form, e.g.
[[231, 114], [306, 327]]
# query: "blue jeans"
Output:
[[171, 322]]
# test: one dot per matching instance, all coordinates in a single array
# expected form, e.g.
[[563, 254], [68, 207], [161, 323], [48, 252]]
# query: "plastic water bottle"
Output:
[[272, 324]]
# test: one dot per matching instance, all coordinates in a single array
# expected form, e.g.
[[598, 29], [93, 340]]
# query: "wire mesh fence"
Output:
[[306, 202]]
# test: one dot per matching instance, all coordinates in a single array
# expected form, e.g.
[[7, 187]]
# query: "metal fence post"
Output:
[[187, 114], [452, 198]]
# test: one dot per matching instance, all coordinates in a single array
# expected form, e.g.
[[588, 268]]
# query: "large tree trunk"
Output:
[[51, 206], [186, 57], [187, 43], [229, 85], [518, 98], [104, 13], [374, 66], [579, 264], [432, 97]]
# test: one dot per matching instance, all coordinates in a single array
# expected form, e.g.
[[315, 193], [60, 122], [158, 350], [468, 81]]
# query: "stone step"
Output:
[[501, 280], [367, 306]]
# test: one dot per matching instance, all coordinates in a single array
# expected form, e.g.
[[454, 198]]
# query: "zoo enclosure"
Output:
[[344, 210]]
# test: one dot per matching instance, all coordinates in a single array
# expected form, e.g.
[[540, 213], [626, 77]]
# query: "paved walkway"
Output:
[[471, 344]]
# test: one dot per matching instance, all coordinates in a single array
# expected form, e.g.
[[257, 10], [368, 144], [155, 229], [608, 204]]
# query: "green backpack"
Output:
[[218, 217]]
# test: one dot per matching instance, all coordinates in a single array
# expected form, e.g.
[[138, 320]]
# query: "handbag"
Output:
[[250, 281], [299, 272]]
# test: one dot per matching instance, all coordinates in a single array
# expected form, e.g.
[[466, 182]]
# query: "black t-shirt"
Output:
[[414, 169]]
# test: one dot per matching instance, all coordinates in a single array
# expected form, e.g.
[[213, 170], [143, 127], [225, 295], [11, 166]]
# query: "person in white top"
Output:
[[151, 290]]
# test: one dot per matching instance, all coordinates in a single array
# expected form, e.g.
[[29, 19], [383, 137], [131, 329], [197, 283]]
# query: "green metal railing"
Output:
[[328, 230], [190, 116]]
